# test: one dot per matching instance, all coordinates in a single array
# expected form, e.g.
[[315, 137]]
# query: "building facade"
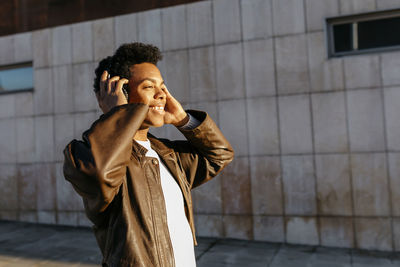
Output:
[[317, 139]]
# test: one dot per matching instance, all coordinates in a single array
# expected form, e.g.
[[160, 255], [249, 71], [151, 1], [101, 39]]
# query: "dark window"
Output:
[[343, 37], [378, 33], [16, 78], [364, 33]]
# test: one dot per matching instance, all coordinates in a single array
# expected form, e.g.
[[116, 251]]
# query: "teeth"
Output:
[[157, 108]]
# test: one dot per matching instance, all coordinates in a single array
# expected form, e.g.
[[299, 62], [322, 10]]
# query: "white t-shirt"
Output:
[[178, 225]]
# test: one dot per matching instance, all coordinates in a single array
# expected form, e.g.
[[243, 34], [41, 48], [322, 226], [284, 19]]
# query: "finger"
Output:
[[111, 84], [120, 84], [103, 83]]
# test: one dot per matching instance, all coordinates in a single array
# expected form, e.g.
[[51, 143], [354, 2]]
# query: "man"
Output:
[[135, 187]]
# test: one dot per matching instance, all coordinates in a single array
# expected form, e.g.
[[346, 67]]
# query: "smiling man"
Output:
[[136, 187]]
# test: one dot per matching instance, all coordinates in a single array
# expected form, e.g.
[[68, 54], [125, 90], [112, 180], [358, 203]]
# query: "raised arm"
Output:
[[96, 166]]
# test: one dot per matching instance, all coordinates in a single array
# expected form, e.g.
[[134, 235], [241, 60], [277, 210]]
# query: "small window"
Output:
[[366, 33], [15, 78]]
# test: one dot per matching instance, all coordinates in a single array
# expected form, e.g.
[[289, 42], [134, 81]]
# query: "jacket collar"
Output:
[[160, 147]]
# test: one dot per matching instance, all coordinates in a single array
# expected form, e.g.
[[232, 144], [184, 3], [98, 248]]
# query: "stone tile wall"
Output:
[[316, 139]]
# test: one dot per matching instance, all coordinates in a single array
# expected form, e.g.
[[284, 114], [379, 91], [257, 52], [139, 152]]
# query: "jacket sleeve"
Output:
[[206, 151], [96, 166]]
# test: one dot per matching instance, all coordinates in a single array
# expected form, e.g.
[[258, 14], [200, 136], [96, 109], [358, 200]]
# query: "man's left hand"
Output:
[[174, 112]]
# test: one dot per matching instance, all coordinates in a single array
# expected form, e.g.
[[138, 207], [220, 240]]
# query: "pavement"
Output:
[[25, 245]]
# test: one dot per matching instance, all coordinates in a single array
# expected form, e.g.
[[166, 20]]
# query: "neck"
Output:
[[141, 134]]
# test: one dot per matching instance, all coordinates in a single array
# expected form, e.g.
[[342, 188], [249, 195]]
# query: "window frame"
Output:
[[354, 19], [16, 66]]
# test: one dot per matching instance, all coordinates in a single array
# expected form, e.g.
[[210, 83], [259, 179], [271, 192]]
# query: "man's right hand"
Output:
[[110, 93]]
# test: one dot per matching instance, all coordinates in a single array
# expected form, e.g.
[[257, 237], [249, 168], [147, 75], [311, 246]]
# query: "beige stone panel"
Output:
[[62, 45], [103, 38], [392, 109], [337, 232], [209, 225], [8, 145], [238, 226], [262, 126], [295, 124], [256, 19], [329, 117], [268, 228], [25, 139], [365, 115], [7, 50], [43, 99], [291, 64], [174, 27], [373, 234], [370, 184], [388, 4], [63, 93], [333, 184], [46, 217], [28, 216], [259, 68], [67, 218], [63, 134], [203, 86], [149, 29], [266, 186], [362, 71], [46, 187], [207, 197], [24, 104], [176, 75], [199, 23], [394, 174], [27, 187], [325, 74], [7, 106], [390, 68], [226, 21], [301, 230], [42, 48], [229, 65], [23, 47], [67, 198], [84, 99], [82, 42], [236, 190], [8, 187], [288, 16], [230, 113], [357, 6], [125, 29], [396, 234], [299, 185], [44, 139], [83, 122], [210, 107], [318, 10]]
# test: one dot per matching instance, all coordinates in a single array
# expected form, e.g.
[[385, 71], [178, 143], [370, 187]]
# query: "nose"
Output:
[[160, 94]]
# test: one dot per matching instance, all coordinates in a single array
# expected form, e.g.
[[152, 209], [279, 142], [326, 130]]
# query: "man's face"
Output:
[[146, 85]]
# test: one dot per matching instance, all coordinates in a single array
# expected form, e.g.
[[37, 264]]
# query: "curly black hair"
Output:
[[126, 56]]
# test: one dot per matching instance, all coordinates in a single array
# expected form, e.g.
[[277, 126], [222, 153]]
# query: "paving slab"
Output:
[[38, 245]]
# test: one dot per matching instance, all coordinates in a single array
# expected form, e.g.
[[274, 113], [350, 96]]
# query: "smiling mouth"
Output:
[[158, 109]]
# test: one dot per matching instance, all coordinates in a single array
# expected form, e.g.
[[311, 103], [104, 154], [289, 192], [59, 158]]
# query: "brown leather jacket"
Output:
[[121, 188]]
